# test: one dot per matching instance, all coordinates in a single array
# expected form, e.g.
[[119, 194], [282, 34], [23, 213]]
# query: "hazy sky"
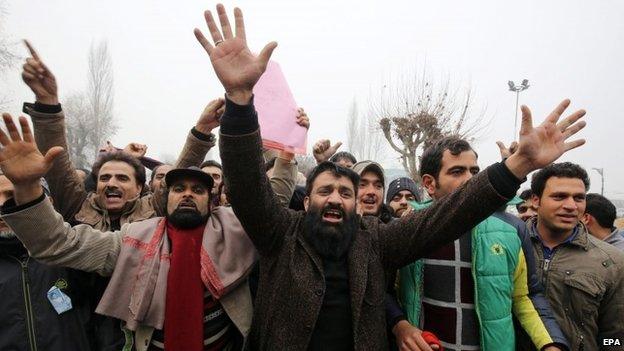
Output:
[[335, 51]]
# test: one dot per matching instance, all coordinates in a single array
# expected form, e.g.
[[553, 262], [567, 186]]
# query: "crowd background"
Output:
[[482, 46]]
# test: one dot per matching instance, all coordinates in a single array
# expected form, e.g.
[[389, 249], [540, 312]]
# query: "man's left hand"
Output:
[[236, 67], [540, 146]]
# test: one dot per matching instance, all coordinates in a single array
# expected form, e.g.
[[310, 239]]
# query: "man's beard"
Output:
[[7, 234], [329, 240], [187, 218]]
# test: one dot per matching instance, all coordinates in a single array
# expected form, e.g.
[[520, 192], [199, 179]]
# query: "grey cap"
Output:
[[369, 166]]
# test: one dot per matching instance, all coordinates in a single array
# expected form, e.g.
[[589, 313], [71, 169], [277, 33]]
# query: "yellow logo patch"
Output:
[[497, 249]]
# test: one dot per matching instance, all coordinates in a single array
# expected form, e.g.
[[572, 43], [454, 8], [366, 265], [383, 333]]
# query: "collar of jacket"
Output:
[[580, 240], [92, 213]]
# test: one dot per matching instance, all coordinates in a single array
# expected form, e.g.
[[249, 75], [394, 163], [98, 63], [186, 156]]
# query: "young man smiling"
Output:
[[583, 276]]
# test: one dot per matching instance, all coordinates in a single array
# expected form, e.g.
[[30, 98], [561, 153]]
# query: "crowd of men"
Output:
[[251, 254]]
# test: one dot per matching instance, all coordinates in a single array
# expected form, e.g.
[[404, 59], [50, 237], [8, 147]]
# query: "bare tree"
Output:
[[364, 139], [100, 95], [413, 112], [8, 58], [79, 130], [89, 114]]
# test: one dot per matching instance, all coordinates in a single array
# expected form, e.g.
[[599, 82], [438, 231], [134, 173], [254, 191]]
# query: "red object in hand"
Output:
[[431, 339]]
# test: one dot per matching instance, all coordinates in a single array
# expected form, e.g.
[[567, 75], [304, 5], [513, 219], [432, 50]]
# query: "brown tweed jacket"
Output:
[[291, 283]]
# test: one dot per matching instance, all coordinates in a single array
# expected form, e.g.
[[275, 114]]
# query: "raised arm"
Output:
[[406, 239], [32, 217], [48, 119], [201, 139], [252, 199]]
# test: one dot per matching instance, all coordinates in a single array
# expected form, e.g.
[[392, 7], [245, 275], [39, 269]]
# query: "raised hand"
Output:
[[211, 116], [236, 67], [539, 146], [20, 159], [505, 151], [302, 118], [323, 150], [39, 78], [135, 150]]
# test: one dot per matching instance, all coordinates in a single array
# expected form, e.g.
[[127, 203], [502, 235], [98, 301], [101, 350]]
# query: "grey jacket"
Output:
[[616, 239], [584, 282]]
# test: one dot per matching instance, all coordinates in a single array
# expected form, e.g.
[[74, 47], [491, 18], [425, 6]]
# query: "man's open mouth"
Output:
[[187, 205], [112, 194], [332, 215], [369, 200]]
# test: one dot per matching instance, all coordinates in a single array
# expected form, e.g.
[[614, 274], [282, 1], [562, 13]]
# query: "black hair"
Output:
[[559, 170], [119, 156], [431, 159], [602, 209], [211, 163], [336, 170], [342, 155], [524, 195], [155, 169]]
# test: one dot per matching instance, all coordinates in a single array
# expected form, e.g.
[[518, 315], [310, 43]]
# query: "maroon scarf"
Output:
[[184, 306]]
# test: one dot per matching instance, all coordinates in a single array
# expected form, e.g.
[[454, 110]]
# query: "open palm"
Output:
[[20, 159], [236, 67], [539, 146]]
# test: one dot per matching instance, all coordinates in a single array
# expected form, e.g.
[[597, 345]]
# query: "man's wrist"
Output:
[[47, 100], [27, 192], [518, 166], [400, 325], [240, 97]]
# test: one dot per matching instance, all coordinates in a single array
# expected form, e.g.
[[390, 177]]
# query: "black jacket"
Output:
[[27, 319]]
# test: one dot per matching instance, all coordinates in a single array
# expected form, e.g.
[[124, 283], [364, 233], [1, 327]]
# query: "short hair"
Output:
[[343, 155], [336, 170], [119, 156], [559, 170], [431, 160], [526, 194], [602, 209], [211, 163], [155, 169]]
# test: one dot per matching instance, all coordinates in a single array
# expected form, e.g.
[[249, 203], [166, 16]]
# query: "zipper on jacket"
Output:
[[30, 323], [473, 234]]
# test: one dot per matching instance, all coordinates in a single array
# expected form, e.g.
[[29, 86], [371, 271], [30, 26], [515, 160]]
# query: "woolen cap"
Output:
[[400, 184]]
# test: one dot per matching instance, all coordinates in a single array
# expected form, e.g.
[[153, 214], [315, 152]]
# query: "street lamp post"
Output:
[[517, 89], [601, 172]]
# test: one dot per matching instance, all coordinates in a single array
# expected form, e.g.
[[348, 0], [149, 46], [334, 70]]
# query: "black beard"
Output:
[[186, 218], [329, 240]]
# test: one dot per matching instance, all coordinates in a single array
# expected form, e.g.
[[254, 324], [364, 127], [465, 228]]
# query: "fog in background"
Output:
[[335, 51]]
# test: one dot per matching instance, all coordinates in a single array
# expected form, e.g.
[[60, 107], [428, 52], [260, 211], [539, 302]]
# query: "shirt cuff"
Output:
[[11, 207], [503, 181], [42, 108], [201, 136], [239, 119]]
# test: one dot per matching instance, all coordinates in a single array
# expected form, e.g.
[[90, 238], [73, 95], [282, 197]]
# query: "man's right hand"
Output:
[[22, 162], [39, 78], [211, 116], [323, 150], [409, 338]]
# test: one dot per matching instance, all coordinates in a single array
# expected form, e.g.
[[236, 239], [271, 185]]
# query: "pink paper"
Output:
[[277, 112]]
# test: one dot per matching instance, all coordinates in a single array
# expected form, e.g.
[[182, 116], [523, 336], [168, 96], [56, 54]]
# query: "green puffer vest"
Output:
[[495, 254]]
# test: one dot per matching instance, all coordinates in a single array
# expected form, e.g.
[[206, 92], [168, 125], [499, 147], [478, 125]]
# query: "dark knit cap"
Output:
[[399, 184]]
